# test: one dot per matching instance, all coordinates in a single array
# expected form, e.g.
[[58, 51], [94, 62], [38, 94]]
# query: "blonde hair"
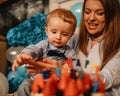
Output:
[[64, 14]]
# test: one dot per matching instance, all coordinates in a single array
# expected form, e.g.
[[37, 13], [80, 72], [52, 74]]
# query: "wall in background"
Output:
[[53, 4]]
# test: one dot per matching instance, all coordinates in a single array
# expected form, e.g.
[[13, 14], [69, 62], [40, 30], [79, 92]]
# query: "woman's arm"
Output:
[[111, 72], [74, 42]]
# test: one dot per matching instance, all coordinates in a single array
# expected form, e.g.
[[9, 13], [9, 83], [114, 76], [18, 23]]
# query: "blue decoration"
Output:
[[95, 88], [58, 72], [12, 75], [22, 71], [77, 9], [30, 31], [46, 74], [14, 80]]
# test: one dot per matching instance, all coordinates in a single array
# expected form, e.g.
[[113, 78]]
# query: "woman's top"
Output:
[[110, 72]]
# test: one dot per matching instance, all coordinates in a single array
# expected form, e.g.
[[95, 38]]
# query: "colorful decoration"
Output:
[[15, 79], [22, 71], [68, 83], [31, 31], [77, 11], [12, 52]]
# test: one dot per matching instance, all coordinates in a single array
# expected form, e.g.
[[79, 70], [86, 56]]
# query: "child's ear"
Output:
[[46, 29]]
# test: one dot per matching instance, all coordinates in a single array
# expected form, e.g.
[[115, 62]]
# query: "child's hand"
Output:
[[37, 66], [20, 60]]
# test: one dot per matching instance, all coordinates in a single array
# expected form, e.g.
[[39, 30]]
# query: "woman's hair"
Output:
[[64, 14], [111, 32]]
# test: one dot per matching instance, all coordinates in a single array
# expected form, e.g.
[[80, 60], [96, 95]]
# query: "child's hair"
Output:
[[65, 14]]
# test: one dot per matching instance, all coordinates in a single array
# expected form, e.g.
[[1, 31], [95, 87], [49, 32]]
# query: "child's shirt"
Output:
[[45, 49]]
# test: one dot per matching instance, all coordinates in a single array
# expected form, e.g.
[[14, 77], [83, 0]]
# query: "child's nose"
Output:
[[58, 36]]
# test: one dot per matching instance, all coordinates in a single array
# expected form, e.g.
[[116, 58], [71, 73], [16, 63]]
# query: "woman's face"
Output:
[[94, 17]]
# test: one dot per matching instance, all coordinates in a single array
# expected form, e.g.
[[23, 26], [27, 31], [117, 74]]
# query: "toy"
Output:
[[68, 82]]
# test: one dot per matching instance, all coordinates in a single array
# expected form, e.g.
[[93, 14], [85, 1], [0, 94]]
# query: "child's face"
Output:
[[58, 31]]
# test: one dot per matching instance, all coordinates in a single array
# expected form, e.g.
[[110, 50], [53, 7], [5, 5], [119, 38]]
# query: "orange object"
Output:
[[71, 89], [38, 84], [69, 60], [63, 82], [80, 85], [101, 87], [49, 88], [87, 82]]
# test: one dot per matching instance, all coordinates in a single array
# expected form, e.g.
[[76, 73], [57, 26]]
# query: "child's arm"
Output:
[[20, 60]]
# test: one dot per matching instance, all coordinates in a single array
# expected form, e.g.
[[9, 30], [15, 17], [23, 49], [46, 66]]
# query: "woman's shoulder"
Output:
[[74, 41]]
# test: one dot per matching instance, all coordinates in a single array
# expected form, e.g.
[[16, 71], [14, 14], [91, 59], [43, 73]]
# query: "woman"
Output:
[[98, 42]]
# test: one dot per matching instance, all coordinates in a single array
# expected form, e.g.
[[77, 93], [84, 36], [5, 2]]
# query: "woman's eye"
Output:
[[100, 13], [87, 11]]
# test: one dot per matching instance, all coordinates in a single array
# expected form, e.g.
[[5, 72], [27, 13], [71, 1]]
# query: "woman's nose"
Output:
[[92, 17]]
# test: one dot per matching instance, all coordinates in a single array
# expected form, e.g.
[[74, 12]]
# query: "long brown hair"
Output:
[[111, 31]]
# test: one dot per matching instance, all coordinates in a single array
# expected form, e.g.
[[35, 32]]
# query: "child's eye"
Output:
[[53, 32], [65, 34]]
